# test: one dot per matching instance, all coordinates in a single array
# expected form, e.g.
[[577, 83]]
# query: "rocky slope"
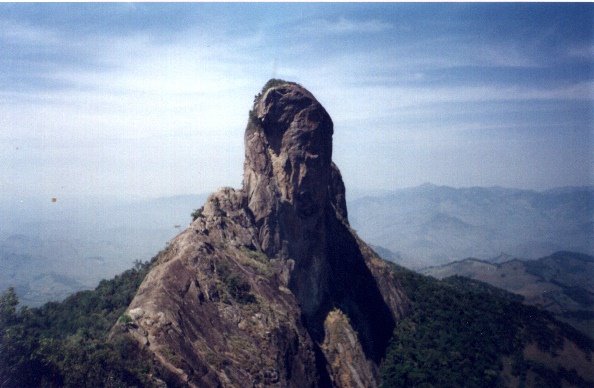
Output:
[[269, 286]]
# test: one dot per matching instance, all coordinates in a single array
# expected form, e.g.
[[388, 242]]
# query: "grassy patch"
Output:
[[257, 260]]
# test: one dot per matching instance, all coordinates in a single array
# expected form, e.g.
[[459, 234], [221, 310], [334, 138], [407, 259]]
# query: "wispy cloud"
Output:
[[500, 55], [133, 79], [583, 51], [365, 103], [343, 25], [20, 33]]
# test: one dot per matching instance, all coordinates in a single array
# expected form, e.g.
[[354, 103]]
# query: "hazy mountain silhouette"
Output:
[[432, 225]]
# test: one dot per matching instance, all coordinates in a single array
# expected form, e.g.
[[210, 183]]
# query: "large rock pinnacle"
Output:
[[294, 190], [288, 172], [297, 198], [269, 284]]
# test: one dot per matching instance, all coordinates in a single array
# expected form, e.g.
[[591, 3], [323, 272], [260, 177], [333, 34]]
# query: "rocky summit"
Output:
[[269, 286]]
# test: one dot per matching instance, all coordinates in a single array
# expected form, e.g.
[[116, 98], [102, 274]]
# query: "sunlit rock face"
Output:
[[269, 283]]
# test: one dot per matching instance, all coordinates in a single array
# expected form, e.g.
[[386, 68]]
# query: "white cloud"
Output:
[[345, 26], [141, 87], [356, 103]]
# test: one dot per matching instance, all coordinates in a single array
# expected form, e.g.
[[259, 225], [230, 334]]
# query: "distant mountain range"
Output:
[[432, 225], [562, 283]]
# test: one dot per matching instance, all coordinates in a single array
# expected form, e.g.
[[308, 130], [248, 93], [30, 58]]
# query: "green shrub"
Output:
[[197, 213], [239, 289], [236, 287], [125, 319]]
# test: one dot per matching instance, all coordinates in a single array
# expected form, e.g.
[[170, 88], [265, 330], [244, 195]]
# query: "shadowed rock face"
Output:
[[297, 197], [267, 274]]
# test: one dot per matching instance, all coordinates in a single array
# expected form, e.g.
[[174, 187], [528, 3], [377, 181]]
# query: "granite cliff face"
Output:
[[269, 286]]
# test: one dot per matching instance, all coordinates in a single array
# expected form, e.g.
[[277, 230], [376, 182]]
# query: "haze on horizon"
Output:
[[148, 100]]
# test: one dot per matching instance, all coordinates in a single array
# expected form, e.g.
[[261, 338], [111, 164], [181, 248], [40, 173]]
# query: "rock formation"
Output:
[[269, 286]]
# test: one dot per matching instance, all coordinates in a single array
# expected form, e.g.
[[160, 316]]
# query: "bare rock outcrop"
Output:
[[248, 295], [348, 364]]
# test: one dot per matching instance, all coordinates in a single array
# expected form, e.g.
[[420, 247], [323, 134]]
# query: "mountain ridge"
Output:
[[560, 283]]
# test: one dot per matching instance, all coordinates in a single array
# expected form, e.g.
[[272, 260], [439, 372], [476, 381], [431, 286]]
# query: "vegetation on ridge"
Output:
[[561, 283], [197, 213], [272, 83], [460, 331], [66, 344]]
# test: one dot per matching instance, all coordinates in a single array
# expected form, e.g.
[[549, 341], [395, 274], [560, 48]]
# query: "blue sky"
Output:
[[152, 99]]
